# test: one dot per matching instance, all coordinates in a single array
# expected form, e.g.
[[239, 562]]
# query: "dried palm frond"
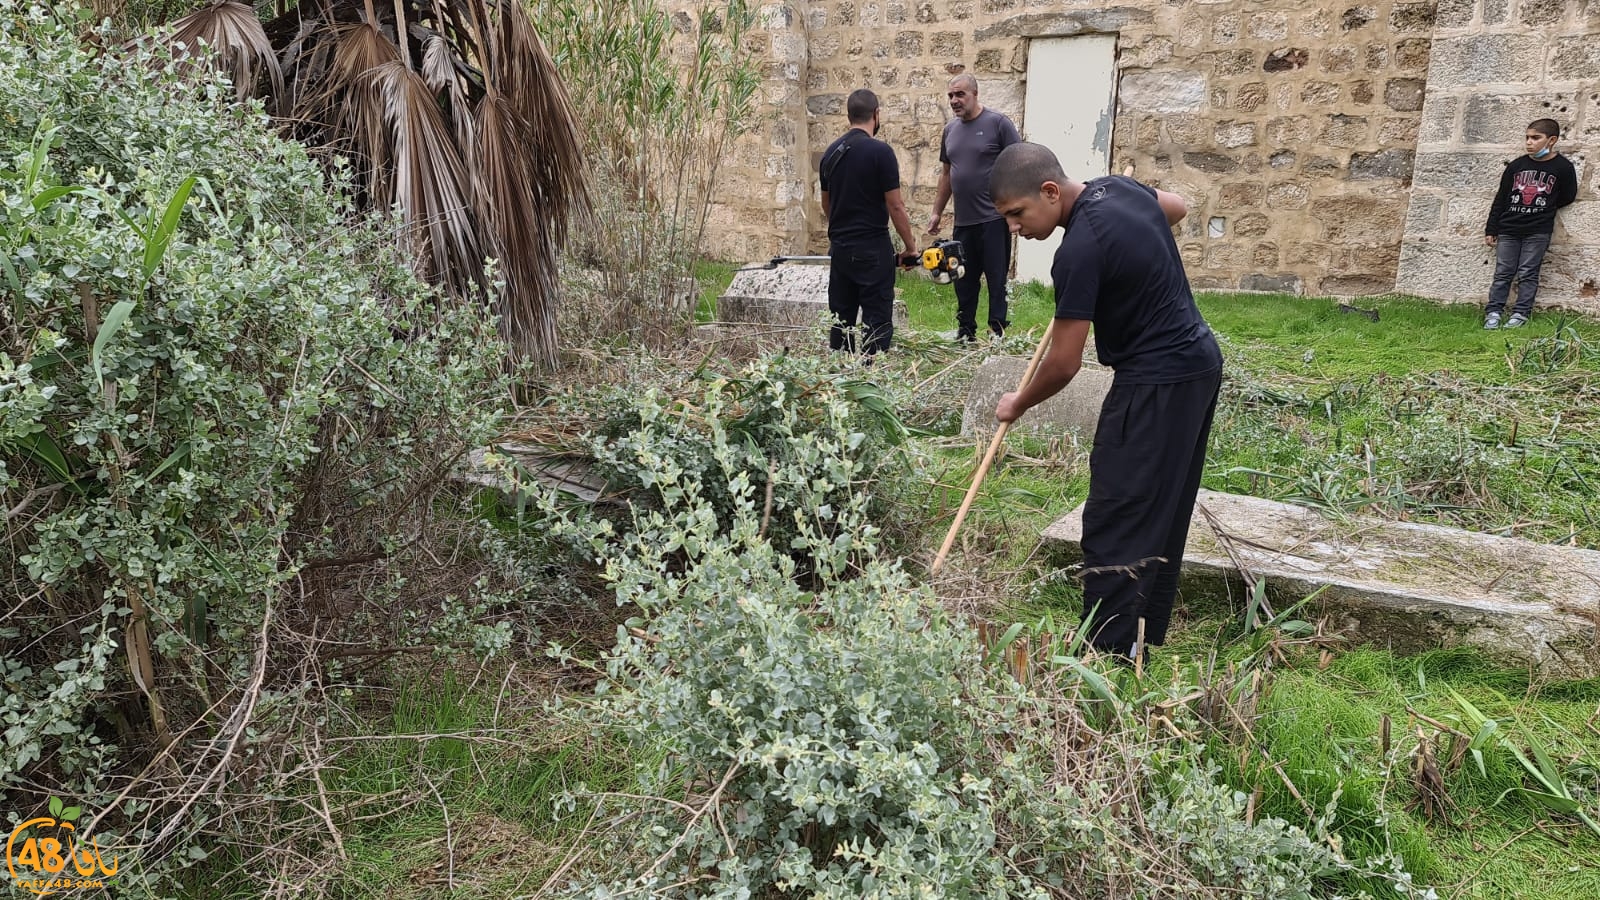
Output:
[[421, 173], [451, 111], [233, 32]]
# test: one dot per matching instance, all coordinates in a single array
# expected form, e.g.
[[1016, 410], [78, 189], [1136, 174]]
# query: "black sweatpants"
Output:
[[987, 254], [861, 282], [1144, 472]]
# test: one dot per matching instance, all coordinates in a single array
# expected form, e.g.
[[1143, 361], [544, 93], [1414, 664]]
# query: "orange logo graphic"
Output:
[[40, 852]]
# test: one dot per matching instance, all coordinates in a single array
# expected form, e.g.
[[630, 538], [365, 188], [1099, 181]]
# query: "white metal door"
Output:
[[1070, 100]]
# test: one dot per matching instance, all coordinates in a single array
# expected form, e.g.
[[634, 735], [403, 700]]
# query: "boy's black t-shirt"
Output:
[[1119, 267], [857, 213], [1531, 190]]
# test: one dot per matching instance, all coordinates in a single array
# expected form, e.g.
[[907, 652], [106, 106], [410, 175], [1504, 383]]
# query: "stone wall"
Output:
[[1292, 129], [1497, 65]]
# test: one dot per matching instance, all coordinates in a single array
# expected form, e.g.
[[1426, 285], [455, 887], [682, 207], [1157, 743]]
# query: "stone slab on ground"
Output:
[[1076, 410], [793, 294], [1403, 585]]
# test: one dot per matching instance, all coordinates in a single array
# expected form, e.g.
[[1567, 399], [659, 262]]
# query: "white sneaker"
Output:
[[1517, 320], [1491, 321]]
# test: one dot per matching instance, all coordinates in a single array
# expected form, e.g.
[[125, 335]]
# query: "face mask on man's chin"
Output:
[[1543, 152]]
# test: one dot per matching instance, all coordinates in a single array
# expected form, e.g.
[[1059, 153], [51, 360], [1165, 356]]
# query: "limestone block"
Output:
[[1162, 91], [1541, 12], [1453, 171], [1454, 13], [1404, 94], [1445, 269], [1320, 93], [1345, 131], [1398, 130], [1289, 131], [1472, 60], [1232, 135], [1239, 195], [1576, 57], [1439, 120], [1210, 162], [1359, 220], [1358, 284], [1269, 26], [1496, 12], [1316, 24], [1264, 255], [1004, 95], [1357, 17], [1498, 119], [1288, 196], [1412, 17], [1339, 60], [1382, 164], [1075, 410], [1411, 54], [1283, 159], [1251, 225], [1403, 585], [1361, 92], [1225, 29], [1273, 284], [1424, 214]]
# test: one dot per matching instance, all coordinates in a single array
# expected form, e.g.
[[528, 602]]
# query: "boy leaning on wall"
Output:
[[1522, 219]]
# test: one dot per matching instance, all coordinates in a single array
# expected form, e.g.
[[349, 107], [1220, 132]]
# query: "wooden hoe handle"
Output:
[[988, 460]]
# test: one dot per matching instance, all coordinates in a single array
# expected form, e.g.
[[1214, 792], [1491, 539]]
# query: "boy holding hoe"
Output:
[[1118, 269]]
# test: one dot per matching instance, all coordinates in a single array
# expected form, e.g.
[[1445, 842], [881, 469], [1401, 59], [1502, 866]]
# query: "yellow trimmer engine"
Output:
[[943, 261]]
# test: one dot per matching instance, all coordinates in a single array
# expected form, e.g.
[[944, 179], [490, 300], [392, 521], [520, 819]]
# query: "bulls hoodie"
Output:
[[1531, 190]]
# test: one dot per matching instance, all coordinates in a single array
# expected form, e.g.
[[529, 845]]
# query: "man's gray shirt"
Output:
[[970, 148]]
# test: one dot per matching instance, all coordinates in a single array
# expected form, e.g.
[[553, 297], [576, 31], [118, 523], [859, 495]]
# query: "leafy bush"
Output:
[[836, 735], [226, 414]]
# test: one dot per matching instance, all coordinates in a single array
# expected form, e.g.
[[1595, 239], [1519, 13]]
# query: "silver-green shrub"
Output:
[[224, 404], [823, 729]]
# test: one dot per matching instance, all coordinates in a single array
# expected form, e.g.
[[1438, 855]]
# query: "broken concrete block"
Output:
[[1402, 585], [1076, 410]]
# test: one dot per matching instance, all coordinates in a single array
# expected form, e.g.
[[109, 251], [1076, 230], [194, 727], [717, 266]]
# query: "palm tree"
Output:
[[451, 111]]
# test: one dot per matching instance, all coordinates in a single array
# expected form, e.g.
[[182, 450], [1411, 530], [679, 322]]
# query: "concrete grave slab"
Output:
[[1076, 410], [792, 293], [1407, 586]]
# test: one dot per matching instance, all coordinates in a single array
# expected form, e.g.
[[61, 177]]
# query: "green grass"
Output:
[[477, 810]]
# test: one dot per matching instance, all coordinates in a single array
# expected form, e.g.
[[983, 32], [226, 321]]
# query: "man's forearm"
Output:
[[1047, 381], [941, 199], [902, 224]]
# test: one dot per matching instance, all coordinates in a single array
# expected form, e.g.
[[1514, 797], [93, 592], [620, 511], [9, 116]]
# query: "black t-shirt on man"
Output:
[[857, 212], [1119, 267]]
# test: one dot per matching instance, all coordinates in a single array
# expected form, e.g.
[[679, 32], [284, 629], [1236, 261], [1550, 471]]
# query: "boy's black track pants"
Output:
[[1144, 472]]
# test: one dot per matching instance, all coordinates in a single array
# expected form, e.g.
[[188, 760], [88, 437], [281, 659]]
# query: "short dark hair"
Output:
[[861, 105], [1546, 127], [1021, 169]]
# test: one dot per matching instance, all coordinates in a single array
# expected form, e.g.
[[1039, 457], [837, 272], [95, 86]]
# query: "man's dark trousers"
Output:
[[861, 282], [1144, 472], [987, 249]]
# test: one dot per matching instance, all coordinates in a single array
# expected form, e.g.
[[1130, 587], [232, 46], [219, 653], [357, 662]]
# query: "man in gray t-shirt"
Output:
[[968, 149]]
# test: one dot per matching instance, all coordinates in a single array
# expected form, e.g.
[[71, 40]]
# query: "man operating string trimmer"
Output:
[[860, 180], [1118, 268]]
